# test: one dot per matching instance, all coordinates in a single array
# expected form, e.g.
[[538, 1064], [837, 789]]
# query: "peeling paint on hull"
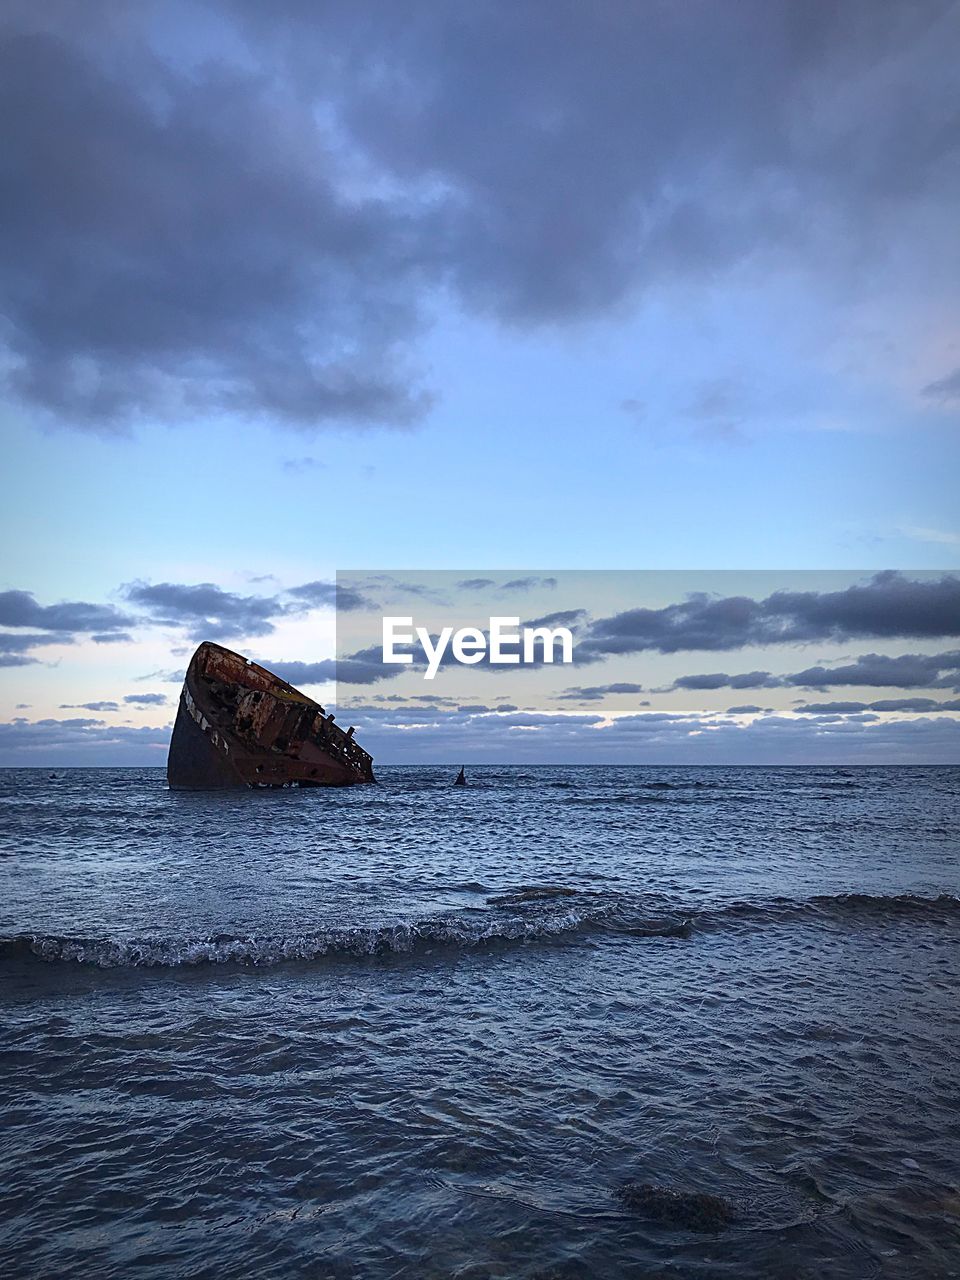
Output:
[[238, 725]]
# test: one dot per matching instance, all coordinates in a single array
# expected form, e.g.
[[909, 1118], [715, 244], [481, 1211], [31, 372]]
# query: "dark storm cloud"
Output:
[[915, 705], [204, 609], [720, 680], [837, 708], [300, 673], [944, 389], [748, 708], [146, 699], [528, 584], [366, 666], [562, 618], [257, 224], [422, 590], [21, 642], [908, 671], [20, 609], [331, 594], [888, 606], [594, 692], [318, 593], [710, 143], [174, 240], [208, 612]]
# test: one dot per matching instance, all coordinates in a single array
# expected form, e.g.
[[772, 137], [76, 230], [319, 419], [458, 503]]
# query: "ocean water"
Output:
[[425, 1031]]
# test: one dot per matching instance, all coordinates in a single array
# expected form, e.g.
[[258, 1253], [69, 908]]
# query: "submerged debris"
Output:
[[684, 1210]]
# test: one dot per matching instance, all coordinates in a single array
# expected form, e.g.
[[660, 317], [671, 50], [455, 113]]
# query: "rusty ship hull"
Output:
[[238, 725]]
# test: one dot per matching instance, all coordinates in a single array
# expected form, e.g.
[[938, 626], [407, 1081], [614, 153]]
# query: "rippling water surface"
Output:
[[412, 1030]]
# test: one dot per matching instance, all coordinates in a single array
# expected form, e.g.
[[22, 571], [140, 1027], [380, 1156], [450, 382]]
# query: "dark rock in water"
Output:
[[532, 893], [683, 1210]]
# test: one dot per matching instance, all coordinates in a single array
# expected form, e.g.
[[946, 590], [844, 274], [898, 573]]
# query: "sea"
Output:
[[418, 1030]]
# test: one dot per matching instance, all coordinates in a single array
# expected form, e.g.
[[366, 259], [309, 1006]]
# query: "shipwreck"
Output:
[[238, 725]]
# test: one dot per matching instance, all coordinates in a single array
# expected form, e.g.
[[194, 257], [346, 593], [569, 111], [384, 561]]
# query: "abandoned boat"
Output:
[[238, 725]]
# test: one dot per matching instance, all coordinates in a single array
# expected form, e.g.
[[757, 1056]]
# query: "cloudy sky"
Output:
[[667, 667], [305, 287]]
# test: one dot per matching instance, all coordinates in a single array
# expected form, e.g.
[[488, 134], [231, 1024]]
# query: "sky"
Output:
[[384, 288], [662, 667]]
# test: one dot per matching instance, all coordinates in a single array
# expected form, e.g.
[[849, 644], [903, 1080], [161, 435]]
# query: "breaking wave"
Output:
[[545, 921], [395, 939]]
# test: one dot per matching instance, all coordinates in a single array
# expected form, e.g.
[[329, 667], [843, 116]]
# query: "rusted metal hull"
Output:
[[238, 725]]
